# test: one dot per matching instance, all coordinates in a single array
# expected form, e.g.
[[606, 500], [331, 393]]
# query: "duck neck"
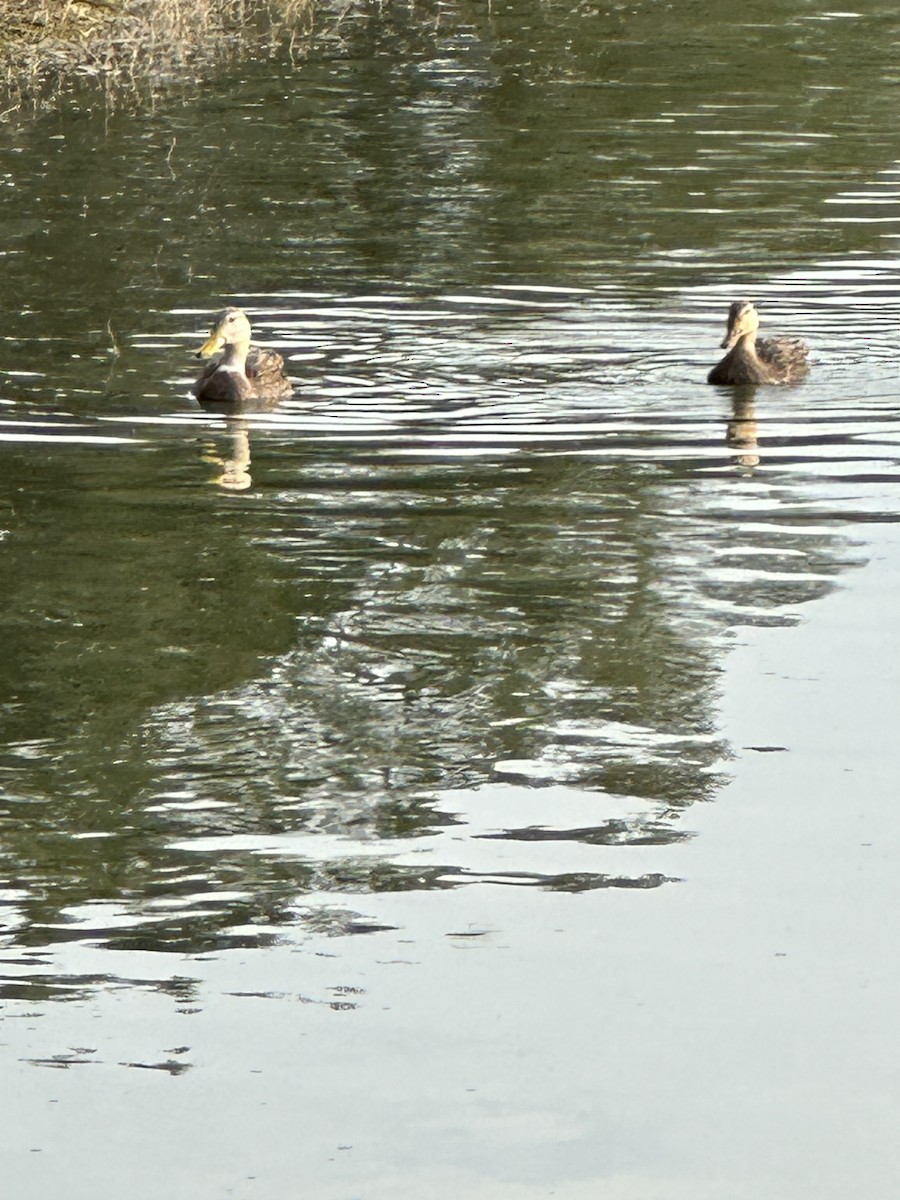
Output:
[[235, 356], [746, 343]]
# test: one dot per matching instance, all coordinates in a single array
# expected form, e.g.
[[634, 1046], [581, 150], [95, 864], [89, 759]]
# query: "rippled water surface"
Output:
[[474, 775]]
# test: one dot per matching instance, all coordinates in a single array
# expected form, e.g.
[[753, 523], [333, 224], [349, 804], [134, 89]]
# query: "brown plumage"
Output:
[[236, 370], [757, 360]]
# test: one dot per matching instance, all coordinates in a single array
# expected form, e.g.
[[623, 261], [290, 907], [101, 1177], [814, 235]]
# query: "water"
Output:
[[445, 783]]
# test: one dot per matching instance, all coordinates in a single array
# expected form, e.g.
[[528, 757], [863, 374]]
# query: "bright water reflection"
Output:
[[449, 626]]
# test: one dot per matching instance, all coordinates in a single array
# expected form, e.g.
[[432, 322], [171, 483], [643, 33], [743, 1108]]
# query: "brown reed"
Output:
[[132, 47]]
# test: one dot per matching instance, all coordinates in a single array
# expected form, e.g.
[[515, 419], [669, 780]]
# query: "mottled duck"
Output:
[[757, 360], [237, 371]]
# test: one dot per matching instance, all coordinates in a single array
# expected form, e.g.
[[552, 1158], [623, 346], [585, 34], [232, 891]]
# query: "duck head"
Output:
[[230, 328], [742, 319]]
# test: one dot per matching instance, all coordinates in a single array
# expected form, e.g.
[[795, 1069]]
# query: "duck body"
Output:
[[236, 371], [753, 360]]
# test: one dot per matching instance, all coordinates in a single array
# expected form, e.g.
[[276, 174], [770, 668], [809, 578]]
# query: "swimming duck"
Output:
[[240, 371], [766, 360]]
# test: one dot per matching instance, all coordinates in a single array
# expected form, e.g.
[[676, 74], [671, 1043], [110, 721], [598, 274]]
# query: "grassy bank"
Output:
[[130, 46]]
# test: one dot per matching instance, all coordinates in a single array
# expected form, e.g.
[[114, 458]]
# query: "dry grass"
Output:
[[132, 46]]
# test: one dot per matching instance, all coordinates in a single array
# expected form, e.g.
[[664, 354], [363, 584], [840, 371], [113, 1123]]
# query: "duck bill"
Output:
[[741, 322], [209, 347], [735, 332]]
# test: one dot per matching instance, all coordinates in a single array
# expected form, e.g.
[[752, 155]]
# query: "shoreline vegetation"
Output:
[[129, 47]]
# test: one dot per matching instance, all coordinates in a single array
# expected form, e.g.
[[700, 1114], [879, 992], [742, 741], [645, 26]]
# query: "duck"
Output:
[[240, 372], [752, 360]]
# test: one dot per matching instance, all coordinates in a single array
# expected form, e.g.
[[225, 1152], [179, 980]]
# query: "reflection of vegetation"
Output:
[[326, 654], [328, 662], [546, 144], [576, 141]]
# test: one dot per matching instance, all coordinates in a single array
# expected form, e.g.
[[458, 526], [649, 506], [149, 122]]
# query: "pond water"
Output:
[[474, 776]]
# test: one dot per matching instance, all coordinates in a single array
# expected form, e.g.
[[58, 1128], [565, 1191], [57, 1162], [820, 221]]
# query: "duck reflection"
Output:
[[232, 462], [741, 431]]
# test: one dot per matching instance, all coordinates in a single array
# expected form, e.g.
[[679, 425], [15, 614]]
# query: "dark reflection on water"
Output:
[[456, 612]]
